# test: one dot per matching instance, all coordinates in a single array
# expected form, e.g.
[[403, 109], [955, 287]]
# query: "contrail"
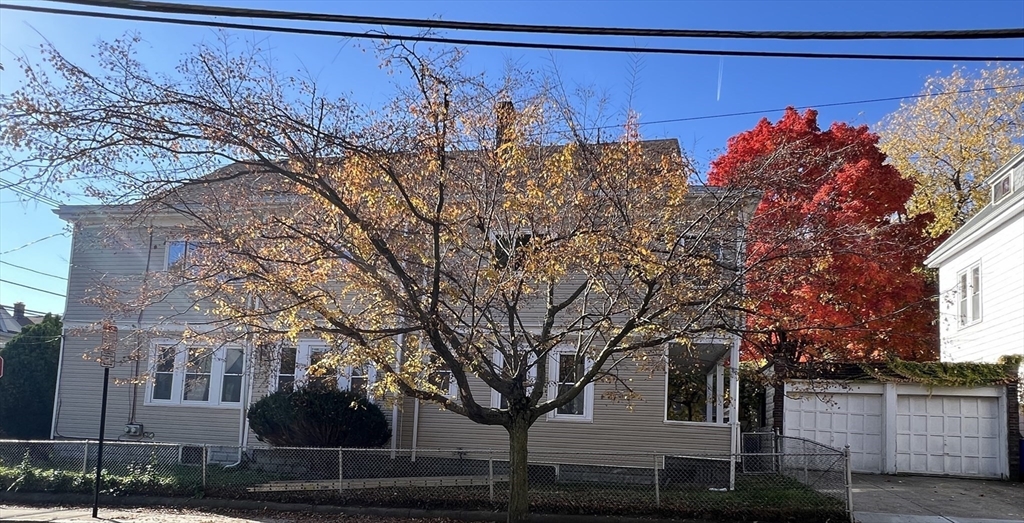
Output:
[[721, 68]]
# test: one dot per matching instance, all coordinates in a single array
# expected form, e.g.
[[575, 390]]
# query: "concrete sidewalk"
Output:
[[922, 499]]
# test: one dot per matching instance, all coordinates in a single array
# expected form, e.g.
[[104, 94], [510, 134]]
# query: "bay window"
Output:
[[195, 375]]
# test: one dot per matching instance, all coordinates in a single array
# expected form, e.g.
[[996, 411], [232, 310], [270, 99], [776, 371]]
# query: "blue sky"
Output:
[[669, 86]]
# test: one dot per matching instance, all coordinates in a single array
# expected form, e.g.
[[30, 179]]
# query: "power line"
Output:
[[421, 23], [33, 242], [39, 197], [28, 311], [32, 288], [512, 44], [814, 106], [33, 270]]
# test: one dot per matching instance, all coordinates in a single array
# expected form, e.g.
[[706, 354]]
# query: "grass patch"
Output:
[[760, 498]]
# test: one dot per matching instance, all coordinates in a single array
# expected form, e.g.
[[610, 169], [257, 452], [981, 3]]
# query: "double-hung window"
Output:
[[180, 255], [162, 387], [234, 366], [566, 367], [286, 367], [969, 295], [310, 360], [195, 375], [198, 371]]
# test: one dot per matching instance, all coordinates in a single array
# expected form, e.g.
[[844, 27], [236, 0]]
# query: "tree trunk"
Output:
[[519, 481]]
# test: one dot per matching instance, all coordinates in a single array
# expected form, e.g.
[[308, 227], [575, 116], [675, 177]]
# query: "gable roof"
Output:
[[991, 217], [8, 323]]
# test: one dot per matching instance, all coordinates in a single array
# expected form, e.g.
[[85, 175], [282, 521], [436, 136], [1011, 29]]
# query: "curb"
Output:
[[38, 498]]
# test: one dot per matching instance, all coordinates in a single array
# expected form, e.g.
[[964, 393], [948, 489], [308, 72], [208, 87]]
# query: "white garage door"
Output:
[[837, 420], [947, 435]]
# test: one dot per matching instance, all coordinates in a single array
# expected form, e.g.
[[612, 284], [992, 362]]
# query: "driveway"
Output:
[[923, 499]]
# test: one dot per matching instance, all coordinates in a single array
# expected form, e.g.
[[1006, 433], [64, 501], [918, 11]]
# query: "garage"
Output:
[[905, 428], [948, 435], [849, 418]]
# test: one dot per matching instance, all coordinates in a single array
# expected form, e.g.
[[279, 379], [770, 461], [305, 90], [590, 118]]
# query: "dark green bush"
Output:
[[319, 416]]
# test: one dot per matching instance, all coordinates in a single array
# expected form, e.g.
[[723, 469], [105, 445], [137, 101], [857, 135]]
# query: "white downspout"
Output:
[[394, 408], [56, 390], [734, 409], [243, 420], [415, 427]]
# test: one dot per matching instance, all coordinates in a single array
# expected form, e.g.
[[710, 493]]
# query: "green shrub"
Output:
[[319, 416]]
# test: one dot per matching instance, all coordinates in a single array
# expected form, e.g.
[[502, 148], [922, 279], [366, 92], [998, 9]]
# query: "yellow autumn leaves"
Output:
[[951, 140]]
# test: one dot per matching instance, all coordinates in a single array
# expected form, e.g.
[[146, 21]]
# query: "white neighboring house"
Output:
[[981, 275]]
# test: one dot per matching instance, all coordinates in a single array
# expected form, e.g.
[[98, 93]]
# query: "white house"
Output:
[[981, 275]]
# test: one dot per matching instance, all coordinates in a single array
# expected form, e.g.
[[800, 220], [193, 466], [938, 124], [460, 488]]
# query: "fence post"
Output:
[[85, 458], [776, 451], [206, 457], [803, 458], [490, 473], [849, 483], [657, 484], [340, 475]]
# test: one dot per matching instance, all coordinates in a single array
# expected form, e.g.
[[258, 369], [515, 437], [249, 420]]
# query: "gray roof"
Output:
[[8, 323]]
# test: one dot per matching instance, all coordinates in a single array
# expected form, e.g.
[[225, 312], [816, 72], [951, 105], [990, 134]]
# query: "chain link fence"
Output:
[[774, 477]]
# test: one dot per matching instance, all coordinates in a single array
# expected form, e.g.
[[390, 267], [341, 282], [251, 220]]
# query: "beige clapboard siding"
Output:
[[120, 258], [99, 256], [80, 391], [615, 427]]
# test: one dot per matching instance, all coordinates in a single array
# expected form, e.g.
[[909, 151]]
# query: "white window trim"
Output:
[[1008, 176], [973, 316], [711, 392], [167, 250], [499, 361], [303, 356], [552, 385], [180, 369]]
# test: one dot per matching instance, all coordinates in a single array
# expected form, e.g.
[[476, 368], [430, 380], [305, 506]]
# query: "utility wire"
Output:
[[32, 288], [815, 106], [511, 44], [39, 197], [33, 270], [28, 311], [421, 23], [33, 242]]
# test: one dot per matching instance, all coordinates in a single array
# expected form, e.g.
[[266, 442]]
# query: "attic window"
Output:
[[1002, 188]]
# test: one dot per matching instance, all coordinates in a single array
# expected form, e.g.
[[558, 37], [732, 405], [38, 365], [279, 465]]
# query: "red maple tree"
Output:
[[834, 264]]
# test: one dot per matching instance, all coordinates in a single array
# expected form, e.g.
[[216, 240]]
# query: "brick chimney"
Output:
[[19, 311], [505, 114]]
